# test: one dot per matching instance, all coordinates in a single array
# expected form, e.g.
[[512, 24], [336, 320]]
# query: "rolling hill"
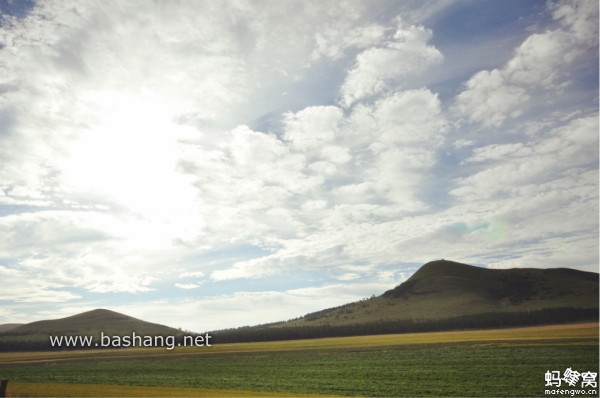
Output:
[[34, 335], [8, 326], [444, 289], [445, 295], [441, 295]]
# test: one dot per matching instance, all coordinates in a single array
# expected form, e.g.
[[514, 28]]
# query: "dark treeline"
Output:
[[479, 321], [273, 333]]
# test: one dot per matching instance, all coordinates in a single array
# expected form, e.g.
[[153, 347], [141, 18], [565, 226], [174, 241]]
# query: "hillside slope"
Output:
[[446, 295], [35, 335], [445, 289], [8, 326], [91, 322]]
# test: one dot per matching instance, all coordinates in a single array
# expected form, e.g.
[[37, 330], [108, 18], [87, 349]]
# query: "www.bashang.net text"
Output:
[[133, 340]]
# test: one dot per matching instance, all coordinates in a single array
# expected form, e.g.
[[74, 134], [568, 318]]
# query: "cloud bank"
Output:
[[279, 158]]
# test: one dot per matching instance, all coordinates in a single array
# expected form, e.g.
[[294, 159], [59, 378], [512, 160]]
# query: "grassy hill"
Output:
[[445, 295], [91, 323], [441, 295], [445, 289], [8, 326]]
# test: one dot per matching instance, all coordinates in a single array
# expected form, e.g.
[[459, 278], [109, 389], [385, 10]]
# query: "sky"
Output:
[[215, 164]]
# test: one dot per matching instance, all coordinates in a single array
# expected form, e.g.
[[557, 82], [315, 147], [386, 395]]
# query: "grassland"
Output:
[[87, 323], [502, 362], [445, 289], [115, 390]]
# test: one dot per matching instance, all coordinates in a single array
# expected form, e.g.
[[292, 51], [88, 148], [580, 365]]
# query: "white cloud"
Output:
[[21, 288], [147, 150], [187, 285], [539, 65], [406, 54], [488, 99], [542, 190], [334, 40], [193, 274], [406, 130], [463, 143], [312, 127], [565, 149], [92, 272], [500, 151], [579, 17], [348, 276], [411, 117], [314, 205], [336, 154], [47, 229]]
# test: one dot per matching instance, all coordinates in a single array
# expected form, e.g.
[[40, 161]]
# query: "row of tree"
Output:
[[479, 321]]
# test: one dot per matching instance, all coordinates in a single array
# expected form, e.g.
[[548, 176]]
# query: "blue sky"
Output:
[[209, 164]]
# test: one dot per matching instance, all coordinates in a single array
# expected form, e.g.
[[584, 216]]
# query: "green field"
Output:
[[502, 362]]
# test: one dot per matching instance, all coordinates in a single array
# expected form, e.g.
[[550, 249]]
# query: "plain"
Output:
[[508, 362]]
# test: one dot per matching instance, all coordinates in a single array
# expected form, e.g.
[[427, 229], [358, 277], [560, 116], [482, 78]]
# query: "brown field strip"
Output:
[[18, 389], [549, 334]]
